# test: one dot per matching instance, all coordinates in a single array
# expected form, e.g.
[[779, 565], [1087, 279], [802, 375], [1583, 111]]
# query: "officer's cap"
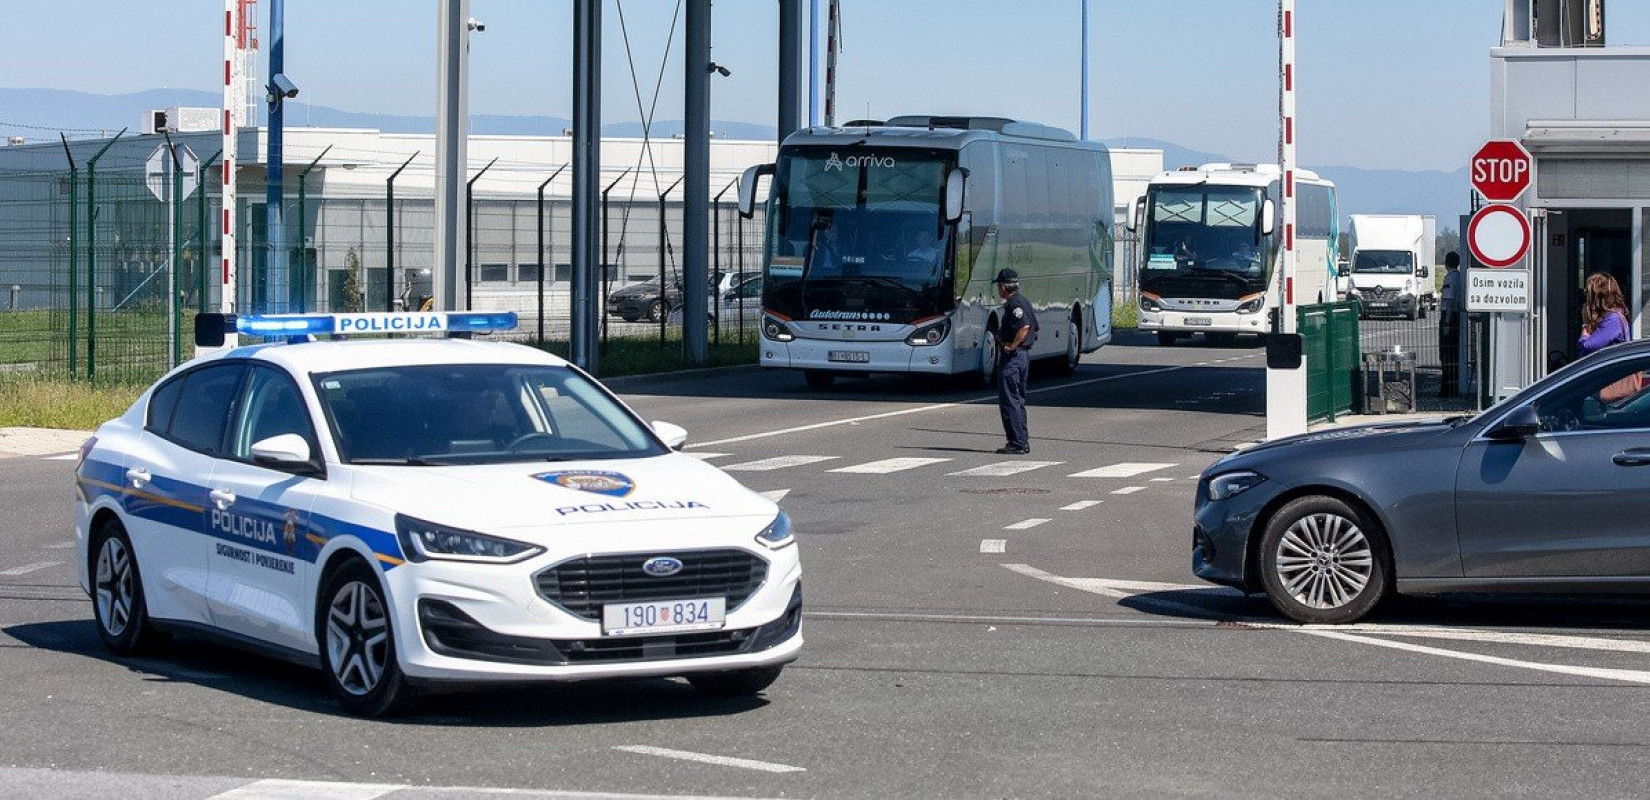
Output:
[[1007, 276]]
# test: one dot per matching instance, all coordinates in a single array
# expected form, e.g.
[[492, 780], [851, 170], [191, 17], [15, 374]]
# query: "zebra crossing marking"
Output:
[[888, 465], [1127, 469], [1003, 469], [780, 462]]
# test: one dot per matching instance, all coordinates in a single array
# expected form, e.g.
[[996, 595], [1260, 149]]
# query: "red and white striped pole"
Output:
[[234, 46], [1286, 391], [832, 22]]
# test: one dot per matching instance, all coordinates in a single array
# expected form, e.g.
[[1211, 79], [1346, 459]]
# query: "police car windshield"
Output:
[[476, 413]]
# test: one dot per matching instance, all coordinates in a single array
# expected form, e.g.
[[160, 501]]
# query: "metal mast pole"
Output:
[[813, 63], [587, 119], [1083, 124], [452, 121], [277, 268], [790, 66], [696, 174]]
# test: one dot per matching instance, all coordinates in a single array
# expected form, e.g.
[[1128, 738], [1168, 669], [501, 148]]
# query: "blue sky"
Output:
[[1384, 83]]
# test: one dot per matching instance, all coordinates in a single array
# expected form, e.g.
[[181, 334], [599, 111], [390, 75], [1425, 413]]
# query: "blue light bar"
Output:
[[211, 328]]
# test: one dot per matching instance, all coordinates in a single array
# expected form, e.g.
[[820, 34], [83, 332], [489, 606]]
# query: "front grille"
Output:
[[649, 648], [583, 585]]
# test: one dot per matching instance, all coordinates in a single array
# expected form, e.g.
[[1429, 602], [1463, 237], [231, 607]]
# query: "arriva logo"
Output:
[[854, 162]]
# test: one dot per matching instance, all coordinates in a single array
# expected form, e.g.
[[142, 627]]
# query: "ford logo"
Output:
[[662, 566]]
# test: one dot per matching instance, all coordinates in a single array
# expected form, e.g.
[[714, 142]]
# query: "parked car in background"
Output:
[[644, 301], [736, 307]]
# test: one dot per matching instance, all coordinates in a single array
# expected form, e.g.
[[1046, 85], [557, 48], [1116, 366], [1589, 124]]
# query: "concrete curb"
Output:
[[657, 378], [16, 442]]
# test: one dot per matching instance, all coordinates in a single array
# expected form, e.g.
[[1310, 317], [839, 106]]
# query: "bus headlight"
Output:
[[930, 334], [1149, 303], [1252, 305], [776, 330]]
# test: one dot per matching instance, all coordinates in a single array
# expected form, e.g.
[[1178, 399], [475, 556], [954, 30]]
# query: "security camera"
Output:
[[475, 24], [281, 86], [718, 69]]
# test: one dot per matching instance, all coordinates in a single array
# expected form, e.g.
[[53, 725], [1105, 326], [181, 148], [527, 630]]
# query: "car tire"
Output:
[[736, 683], [818, 378], [118, 606], [657, 310], [357, 644], [1324, 562]]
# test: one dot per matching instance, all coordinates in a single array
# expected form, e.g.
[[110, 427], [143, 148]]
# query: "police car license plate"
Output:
[[851, 356], [664, 616], [1200, 321]]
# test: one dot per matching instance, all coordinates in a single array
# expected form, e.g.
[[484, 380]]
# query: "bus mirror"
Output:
[[1135, 213], [747, 188], [1268, 217], [954, 182]]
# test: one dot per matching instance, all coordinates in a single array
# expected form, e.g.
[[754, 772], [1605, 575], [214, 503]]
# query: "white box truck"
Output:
[[1392, 270]]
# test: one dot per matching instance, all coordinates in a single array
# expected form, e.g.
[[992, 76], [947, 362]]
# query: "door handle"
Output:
[[1635, 457], [222, 498], [138, 476]]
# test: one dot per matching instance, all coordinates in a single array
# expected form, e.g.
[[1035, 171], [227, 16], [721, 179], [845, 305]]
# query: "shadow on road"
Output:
[[218, 668], [1229, 606]]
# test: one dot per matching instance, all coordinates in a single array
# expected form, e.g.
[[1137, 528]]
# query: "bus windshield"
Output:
[[1384, 262], [857, 229], [1204, 241]]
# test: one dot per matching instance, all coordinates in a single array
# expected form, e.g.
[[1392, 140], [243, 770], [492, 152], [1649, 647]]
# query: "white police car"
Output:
[[411, 512]]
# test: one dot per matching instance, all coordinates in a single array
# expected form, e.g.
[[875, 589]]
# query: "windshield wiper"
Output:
[[414, 461]]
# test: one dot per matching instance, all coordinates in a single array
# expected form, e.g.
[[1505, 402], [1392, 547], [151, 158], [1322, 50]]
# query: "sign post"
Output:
[[1499, 237]]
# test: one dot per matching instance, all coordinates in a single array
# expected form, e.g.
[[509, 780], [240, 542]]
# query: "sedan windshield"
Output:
[[476, 413]]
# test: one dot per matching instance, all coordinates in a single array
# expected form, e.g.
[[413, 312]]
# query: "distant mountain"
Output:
[[40, 113]]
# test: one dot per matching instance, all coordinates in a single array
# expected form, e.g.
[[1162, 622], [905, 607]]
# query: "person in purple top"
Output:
[[1603, 315]]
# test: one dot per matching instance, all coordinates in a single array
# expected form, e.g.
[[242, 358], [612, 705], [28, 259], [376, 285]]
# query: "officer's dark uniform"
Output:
[[1011, 377]]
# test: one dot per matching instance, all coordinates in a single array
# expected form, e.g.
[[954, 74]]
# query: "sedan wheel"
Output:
[[117, 594], [358, 645], [1322, 562]]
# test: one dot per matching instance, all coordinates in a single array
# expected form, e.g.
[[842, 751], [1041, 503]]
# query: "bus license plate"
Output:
[[664, 616], [1200, 321], [851, 356]]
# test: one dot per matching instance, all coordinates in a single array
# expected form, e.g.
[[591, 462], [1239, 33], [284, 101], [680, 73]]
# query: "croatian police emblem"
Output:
[[611, 484]]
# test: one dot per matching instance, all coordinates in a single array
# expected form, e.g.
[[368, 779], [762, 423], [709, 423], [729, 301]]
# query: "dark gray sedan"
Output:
[[1547, 491]]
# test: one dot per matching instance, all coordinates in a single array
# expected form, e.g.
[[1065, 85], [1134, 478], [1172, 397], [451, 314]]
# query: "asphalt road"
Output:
[[975, 629]]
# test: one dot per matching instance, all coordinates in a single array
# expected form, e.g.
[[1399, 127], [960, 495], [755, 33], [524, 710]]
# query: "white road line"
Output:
[[1003, 469], [1130, 490], [1625, 675], [60, 546], [989, 398], [707, 456], [277, 789], [1123, 470], [993, 545], [28, 568], [1025, 524], [776, 495], [1162, 480], [726, 761], [1080, 505], [1499, 637], [888, 465], [64, 457], [780, 462]]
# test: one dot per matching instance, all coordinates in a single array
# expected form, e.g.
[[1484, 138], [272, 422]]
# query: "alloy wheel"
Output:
[[1324, 561], [114, 586], [357, 637]]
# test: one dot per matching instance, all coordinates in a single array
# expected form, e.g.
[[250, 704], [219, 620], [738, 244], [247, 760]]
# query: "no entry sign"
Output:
[[1500, 170], [1498, 235]]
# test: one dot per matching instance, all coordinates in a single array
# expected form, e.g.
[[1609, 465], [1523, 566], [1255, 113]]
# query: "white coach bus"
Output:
[[883, 238], [1212, 249]]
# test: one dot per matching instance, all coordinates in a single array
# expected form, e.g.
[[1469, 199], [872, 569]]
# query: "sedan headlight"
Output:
[[778, 533], [427, 541], [775, 330], [929, 335], [1232, 484]]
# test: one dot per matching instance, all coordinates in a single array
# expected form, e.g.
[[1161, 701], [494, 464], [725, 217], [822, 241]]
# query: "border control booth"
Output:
[[1581, 111]]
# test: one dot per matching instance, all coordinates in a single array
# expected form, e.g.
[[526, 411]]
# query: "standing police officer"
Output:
[[1015, 335]]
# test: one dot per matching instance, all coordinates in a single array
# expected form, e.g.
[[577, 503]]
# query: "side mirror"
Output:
[[1268, 217], [1517, 426], [747, 188], [1343, 269], [1421, 271], [1136, 212], [955, 181], [674, 436], [288, 451]]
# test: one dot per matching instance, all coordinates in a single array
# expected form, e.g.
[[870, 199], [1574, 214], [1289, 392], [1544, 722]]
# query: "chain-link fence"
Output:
[[88, 257]]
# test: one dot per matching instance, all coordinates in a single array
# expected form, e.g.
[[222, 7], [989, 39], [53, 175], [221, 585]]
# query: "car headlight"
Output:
[[1149, 303], [426, 541], [1232, 484], [929, 335], [776, 330], [778, 533], [1252, 305]]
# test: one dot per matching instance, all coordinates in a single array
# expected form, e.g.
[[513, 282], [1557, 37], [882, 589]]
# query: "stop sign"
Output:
[[1500, 170]]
